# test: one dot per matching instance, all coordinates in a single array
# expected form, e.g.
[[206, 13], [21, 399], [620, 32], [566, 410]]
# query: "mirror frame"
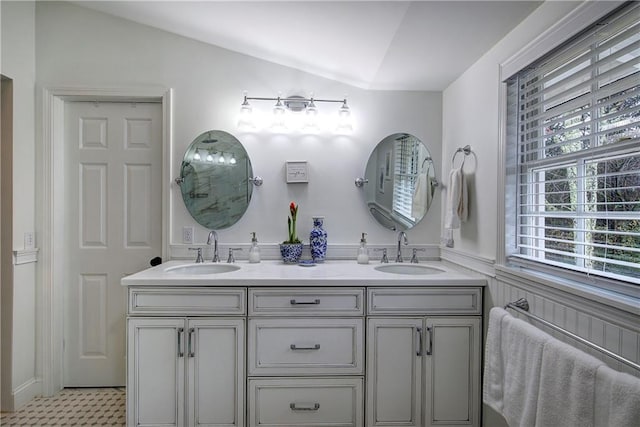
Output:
[[216, 192], [388, 191]]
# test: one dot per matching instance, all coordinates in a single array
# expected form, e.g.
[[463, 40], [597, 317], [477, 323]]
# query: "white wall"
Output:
[[18, 63], [79, 47], [471, 116]]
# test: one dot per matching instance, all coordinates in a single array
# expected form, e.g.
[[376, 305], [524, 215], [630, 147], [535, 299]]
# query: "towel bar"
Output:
[[522, 306]]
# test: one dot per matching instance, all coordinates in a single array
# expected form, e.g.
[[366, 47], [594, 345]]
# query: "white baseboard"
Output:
[[25, 392]]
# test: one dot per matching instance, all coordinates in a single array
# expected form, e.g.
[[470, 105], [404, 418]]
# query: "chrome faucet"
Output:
[[401, 235], [213, 238]]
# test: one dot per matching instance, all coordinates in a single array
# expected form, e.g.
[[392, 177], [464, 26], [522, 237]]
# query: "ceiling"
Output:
[[385, 45]]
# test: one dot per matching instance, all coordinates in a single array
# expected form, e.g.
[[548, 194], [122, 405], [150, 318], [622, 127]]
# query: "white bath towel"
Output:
[[567, 386], [456, 209], [617, 401], [492, 390], [522, 345], [421, 196], [513, 358]]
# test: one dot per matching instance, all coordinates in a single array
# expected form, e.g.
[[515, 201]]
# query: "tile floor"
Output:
[[72, 407]]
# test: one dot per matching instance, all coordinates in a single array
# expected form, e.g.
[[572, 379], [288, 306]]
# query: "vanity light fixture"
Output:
[[221, 158], [196, 155], [209, 157], [285, 107], [232, 160], [344, 119]]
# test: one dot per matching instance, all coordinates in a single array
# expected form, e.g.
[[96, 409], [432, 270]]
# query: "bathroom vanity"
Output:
[[335, 344]]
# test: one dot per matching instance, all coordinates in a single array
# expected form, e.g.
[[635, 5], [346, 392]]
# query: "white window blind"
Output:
[[574, 126], [407, 156]]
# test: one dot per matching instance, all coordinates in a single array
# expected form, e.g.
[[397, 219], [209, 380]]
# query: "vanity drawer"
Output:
[[187, 301], [431, 301], [305, 346], [308, 301], [289, 402]]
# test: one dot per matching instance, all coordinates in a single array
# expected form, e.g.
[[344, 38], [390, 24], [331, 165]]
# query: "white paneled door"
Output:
[[113, 173]]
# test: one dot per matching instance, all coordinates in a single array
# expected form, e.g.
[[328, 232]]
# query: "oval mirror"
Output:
[[215, 182], [401, 181]]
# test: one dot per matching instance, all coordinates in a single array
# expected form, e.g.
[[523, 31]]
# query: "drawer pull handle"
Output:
[[295, 347], [419, 342], [314, 302], [304, 406], [296, 302]]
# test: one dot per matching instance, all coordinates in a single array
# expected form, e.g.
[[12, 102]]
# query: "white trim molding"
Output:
[[25, 392], [51, 224], [475, 263], [581, 17], [25, 256], [271, 251]]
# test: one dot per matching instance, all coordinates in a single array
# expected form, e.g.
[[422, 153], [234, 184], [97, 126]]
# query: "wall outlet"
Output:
[[29, 240], [187, 235]]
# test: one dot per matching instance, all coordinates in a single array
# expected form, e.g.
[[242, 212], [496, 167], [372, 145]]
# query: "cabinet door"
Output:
[[452, 348], [215, 352], [155, 371], [394, 372]]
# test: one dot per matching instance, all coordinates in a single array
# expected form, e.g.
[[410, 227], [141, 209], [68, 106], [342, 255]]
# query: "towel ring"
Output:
[[466, 150]]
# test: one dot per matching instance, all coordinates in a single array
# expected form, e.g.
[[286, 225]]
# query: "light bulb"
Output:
[[221, 158], [245, 119], [344, 119], [279, 112], [196, 156], [311, 118], [209, 157], [232, 160]]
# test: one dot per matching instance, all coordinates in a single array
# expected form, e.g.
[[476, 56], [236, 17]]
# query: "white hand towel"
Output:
[[617, 401], [456, 199], [456, 210], [567, 386], [492, 391], [420, 199], [522, 345]]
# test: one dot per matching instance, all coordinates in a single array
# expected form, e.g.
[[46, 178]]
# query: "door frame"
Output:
[[50, 204]]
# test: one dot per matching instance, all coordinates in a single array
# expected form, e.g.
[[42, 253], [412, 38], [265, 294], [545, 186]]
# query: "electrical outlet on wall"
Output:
[[187, 235]]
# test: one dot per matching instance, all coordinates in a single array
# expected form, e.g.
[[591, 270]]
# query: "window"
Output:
[[573, 130], [408, 152]]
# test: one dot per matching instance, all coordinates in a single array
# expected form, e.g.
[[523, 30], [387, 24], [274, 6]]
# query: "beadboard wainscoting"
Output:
[[614, 324]]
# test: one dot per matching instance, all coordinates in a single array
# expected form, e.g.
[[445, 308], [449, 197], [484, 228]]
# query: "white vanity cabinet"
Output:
[[306, 357], [338, 345], [186, 370], [423, 356]]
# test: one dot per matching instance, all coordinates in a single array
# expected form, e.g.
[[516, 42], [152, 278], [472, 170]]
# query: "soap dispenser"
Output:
[[254, 250], [363, 251]]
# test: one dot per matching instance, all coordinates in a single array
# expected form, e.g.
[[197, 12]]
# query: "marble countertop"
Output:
[[328, 273]]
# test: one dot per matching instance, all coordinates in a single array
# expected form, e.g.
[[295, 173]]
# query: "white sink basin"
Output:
[[414, 269], [209, 268]]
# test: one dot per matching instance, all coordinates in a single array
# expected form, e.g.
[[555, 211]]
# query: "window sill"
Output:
[[569, 289]]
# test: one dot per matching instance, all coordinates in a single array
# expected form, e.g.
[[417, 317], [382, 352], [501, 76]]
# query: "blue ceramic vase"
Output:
[[291, 252], [318, 240]]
